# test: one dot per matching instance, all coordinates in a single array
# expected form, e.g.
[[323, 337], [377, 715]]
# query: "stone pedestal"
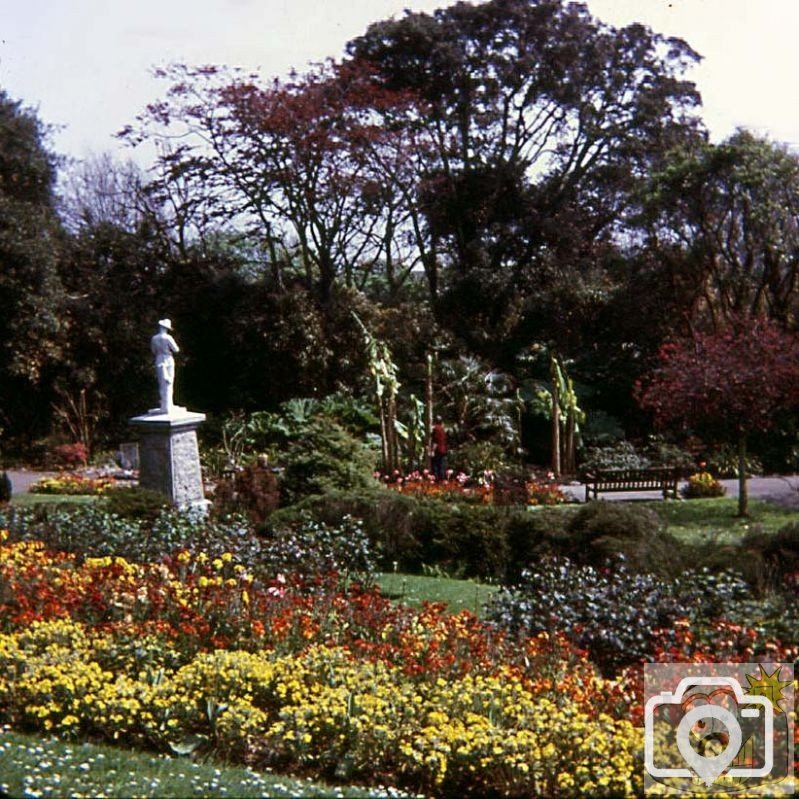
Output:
[[169, 458]]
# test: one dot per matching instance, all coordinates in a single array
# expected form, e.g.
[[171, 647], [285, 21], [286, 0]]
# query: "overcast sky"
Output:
[[84, 65]]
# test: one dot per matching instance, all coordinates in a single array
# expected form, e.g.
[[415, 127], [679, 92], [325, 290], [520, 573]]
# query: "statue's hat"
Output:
[[167, 323]]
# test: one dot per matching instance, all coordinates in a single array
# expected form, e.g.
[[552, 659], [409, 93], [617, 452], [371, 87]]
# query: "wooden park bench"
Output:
[[655, 478]]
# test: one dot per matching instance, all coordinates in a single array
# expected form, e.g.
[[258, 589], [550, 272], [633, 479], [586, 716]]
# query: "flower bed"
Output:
[[72, 484], [461, 487], [197, 654], [193, 653], [701, 485]]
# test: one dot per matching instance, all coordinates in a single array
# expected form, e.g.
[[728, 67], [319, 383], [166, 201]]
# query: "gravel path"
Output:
[[22, 479], [779, 490]]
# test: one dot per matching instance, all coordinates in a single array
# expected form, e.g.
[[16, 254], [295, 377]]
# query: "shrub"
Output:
[[95, 531], [601, 429], [253, 492], [624, 455], [325, 458], [621, 455], [661, 452], [474, 457], [599, 530], [510, 487], [136, 503], [611, 611], [702, 485], [69, 456], [779, 555], [316, 550], [723, 461], [467, 541], [531, 536], [306, 547], [389, 519], [462, 538]]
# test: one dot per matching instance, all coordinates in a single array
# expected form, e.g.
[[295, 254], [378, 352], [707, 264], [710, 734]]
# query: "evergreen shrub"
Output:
[[600, 530], [325, 458], [461, 538], [136, 503]]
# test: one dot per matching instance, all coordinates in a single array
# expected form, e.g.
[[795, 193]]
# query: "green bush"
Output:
[[475, 457], [602, 530], [462, 539], [312, 550], [611, 610], [533, 535], [621, 455], [325, 458], [316, 550], [663, 453], [624, 455], [510, 487], [390, 519], [469, 541], [135, 503], [724, 462]]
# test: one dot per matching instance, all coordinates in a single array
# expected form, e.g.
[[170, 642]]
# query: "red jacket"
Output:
[[439, 439]]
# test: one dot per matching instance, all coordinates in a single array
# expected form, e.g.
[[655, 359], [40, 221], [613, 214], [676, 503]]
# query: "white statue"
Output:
[[163, 346]]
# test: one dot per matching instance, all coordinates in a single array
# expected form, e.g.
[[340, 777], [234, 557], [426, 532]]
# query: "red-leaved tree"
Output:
[[732, 382]]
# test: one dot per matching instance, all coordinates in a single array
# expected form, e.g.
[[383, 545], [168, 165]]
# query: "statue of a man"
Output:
[[163, 346]]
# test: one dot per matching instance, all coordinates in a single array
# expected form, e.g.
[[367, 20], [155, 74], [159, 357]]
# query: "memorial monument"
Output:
[[169, 457]]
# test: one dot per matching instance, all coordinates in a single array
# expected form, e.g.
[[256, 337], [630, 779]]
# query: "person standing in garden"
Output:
[[438, 449]]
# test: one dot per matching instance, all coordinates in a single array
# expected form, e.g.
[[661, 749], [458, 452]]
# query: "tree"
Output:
[[542, 122], [31, 295], [289, 162], [732, 381], [721, 227], [101, 190]]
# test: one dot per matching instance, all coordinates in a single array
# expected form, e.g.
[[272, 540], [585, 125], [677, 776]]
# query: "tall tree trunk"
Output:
[[743, 481], [567, 463], [391, 418], [384, 437], [428, 411], [555, 427]]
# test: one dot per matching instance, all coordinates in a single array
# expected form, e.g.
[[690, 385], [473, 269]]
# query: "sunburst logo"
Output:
[[769, 685]]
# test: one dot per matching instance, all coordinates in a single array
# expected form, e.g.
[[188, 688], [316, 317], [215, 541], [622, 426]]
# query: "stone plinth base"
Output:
[[169, 458]]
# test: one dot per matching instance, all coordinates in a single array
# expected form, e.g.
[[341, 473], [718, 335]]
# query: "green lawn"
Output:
[[457, 594], [699, 520], [32, 766], [58, 499]]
